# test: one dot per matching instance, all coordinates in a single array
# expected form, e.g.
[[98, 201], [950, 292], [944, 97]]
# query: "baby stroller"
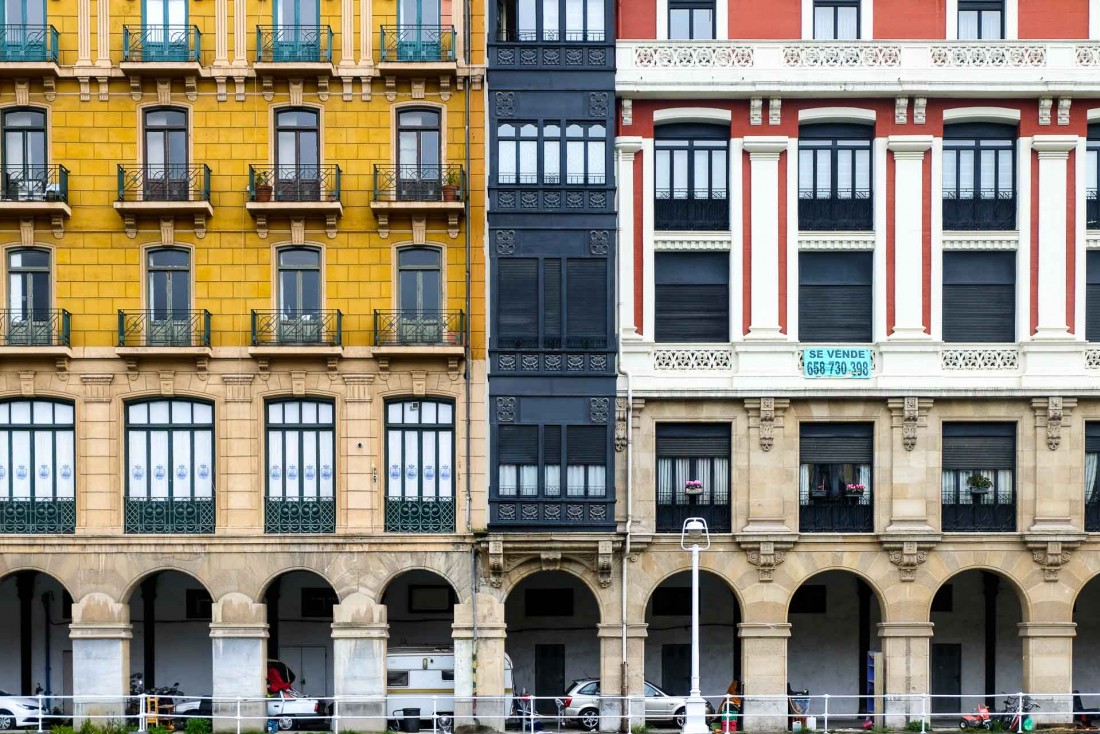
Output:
[[798, 707]]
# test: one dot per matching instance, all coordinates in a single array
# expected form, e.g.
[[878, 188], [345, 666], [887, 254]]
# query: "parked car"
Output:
[[17, 712], [582, 705], [288, 707]]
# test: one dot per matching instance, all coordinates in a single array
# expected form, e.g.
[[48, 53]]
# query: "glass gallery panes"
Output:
[[171, 450], [300, 450], [37, 450], [420, 450]]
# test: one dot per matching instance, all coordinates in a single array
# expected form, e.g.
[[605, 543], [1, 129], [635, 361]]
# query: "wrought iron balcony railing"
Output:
[[845, 211], [297, 328], [419, 183], [28, 43], [294, 183], [36, 183], [1092, 210], [979, 518], [682, 210], [27, 515], [836, 515], [984, 210], [299, 515], [411, 515], [164, 183], [284, 44], [418, 43], [158, 329], [162, 43], [419, 328], [169, 515], [670, 518], [35, 329]]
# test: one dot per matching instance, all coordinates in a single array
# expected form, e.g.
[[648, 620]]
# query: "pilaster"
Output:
[[906, 652], [773, 459], [765, 645], [908, 234], [764, 154], [360, 635], [238, 634], [1053, 152], [625, 149], [1048, 668], [479, 661], [100, 633]]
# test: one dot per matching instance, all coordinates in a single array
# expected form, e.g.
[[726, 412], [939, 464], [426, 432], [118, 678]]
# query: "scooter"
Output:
[[980, 719]]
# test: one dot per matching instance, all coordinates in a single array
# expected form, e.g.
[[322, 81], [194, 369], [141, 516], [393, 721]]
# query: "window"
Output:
[[26, 176], [23, 13], [169, 272], [1092, 296], [318, 601], [979, 177], [981, 20], [166, 168], [198, 605], [835, 493], [518, 158], [589, 689], [418, 152], [692, 296], [585, 461], [836, 20], [297, 153], [835, 297], [531, 310], [979, 296], [548, 20], [1092, 485], [419, 283], [301, 466], [420, 36], [29, 301], [692, 177], [420, 457], [170, 455], [397, 678], [518, 452], [979, 483], [299, 296], [691, 20], [430, 599], [1092, 178], [164, 30], [37, 467], [585, 150], [548, 602], [693, 475], [809, 599], [834, 178], [586, 456]]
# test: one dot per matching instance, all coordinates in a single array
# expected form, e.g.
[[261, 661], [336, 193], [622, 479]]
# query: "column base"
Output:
[[765, 333], [909, 333], [1047, 333]]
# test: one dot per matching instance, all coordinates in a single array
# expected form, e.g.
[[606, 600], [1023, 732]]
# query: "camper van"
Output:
[[424, 678]]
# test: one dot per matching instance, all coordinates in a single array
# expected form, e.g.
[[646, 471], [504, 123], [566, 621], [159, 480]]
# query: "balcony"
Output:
[[295, 191], [40, 333], [986, 211], [420, 515], [169, 515], [419, 48], [36, 191], [180, 330], [671, 517], [29, 50], [161, 50], [978, 518], [843, 212], [540, 514], [308, 333], [293, 49], [419, 191], [299, 516], [164, 192], [836, 515], [419, 328], [679, 210], [25, 516], [1092, 210]]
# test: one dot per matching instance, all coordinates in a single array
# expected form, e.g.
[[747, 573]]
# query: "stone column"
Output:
[[908, 234], [221, 33], [1048, 669], [1053, 151], [238, 633], [101, 635], [1059, 471], [905, 648], [479, 665], [360, 635], [773, 462], [764, 673], [764, 153], [611, 676], [634, 675], [625, 149]]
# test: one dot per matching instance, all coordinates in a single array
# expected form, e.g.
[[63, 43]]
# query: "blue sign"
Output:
[[842, 362]]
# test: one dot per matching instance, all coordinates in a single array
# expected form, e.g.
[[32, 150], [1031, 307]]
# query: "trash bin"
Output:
[[410, 721]]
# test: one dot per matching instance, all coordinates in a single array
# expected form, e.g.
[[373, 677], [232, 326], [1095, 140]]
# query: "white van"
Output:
[[424, 678]]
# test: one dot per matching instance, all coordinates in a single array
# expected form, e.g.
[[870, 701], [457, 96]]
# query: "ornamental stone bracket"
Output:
[[766, 552], [766, 414], [909, 414], [506, 554], [908, 552], [638, 404], [1052, 552], [1053, 414]]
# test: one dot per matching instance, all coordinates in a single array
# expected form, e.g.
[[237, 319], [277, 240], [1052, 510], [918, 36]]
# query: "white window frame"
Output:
[[1012, 20], [721, 20], [866, 20]]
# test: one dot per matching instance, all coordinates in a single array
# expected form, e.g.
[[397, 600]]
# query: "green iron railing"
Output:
[[294, 183], [304, 515], [297, 328], [413, 515], [28, 43], [30, 515], [35, 329], [419, 328], [164, 183], [162, 43], [154, 329], [420, 183], [294, 43], [35, 183], [169, 515], [418, 43]]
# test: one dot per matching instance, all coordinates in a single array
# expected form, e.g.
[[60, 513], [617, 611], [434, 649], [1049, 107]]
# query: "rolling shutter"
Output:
[[1092, 296], [836, 443], [586, 303], [835, 297], [979, 297], [586, 445], [979, 446], [551, 303], [688, 440], [518, 303], [551, 445], [1092, 437], [518, 444], [692, 297]]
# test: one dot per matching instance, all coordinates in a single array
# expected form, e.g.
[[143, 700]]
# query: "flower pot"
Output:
[[450, 193], [263, 192]]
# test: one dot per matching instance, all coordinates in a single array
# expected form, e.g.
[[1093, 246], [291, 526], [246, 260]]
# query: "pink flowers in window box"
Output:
[[855, 489], [693, 486]]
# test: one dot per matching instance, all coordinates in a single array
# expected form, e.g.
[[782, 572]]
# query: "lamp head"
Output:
[[694, 530]]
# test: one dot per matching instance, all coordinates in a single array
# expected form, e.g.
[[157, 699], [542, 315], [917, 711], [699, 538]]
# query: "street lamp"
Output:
[[695, 532]]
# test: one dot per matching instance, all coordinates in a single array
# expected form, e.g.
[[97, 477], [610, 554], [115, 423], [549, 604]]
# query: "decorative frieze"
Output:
[[238, 388], [691, 359], [358, 387], [97, 388], [693, 56], [981, 359], [1000, 54], [842, 56]]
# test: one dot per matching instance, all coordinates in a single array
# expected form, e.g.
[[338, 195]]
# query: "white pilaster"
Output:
[[366, 51], [1053, 153], [1080, 230], [347, 32], [625, 149], [1094, 19], [221, 33], [648, 283], [908, 272], [764, 153], [240, 45], [103, 35], [83, 32]]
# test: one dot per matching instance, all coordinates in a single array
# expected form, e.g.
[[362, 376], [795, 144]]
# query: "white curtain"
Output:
[[529, 480], [1091, 461], [664, 481], [1003, 485], [443, 471], [552, 480], [721, 492], [597, 479], [804, 473], [506, 480], [949, 488], [865, 480], [574, 481]]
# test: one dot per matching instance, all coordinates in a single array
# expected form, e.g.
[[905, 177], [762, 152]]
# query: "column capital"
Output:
[[765, 147], [764, 629], [220, 630], [905, 629], [100, 631], [911, 147], [627, 145], [1047, 629], [1054, 146]]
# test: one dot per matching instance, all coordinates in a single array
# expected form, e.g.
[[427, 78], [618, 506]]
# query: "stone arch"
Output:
[[534, 566], [434, 564], [135, 582], [265, 584], [20, 566], [716, 571], [1021, 590], [866, 578]]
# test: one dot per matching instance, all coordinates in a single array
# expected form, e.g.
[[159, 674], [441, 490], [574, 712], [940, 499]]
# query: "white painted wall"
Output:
[[9, 638]]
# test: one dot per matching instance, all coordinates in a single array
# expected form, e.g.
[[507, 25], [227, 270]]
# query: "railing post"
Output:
[[435, 720], [1019, 712], [143, 715], [239, 716], [923, 711], [335, 715], [41, 712], [826, 712]]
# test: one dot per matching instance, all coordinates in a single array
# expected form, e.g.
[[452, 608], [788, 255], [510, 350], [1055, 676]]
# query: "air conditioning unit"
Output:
[[169, 333], [27, 332]]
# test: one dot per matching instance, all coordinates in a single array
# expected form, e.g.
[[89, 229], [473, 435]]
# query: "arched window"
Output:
[[26, 176], [30, 320], [37, 467], [297, 155], [170, 460], [420, 457], [692, 177], [166, 163], [169, 296], [301, 467]]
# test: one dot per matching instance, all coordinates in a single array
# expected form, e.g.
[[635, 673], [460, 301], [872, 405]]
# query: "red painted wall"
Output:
[[636, 19], [1054, 19], [910, 18], [755, 19]]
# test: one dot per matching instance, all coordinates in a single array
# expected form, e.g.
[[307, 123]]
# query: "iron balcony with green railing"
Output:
[[418, 43], [35, 515], [164, 183], [164, 329], [164, 515], [35, 184], [420, 183], [419, 328], [297, 328], [28, 44], [420, 515], [294, 183], [150, 44], [283, 44], [35, 328], [299, 515]]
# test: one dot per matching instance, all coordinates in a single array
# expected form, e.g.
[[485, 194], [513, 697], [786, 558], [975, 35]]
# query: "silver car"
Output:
[[582, 705]]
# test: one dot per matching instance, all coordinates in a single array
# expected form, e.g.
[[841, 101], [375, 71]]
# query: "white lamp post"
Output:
[[694, 532]]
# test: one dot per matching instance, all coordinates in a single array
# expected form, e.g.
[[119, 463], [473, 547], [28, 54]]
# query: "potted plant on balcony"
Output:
[[854, 489], [693, 487], [263, 188], [451, 183], [979, 483]]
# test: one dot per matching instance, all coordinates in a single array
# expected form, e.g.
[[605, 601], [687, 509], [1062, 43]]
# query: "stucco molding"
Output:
[[765, 414], [766, 552], [908, 552], [1052, 551], [909, 414]]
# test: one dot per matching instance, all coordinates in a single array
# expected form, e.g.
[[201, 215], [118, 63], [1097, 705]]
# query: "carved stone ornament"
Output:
[[1053, 414], [1045, 104], [909, 414], [598, 410], [756, 111], [604, 563], [506, 410], [764, 415], [766, 555], [1050, 556], [907, 556], [620, 425], [496, 563]]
